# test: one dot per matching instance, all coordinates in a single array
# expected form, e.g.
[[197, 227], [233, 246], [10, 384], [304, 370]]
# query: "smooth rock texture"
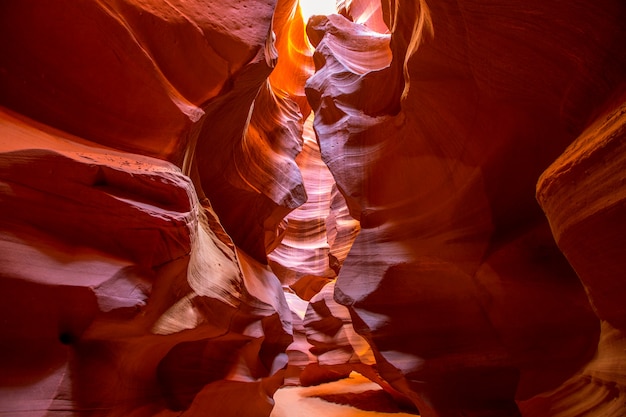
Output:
[[583, 193], [121, 292], [367, 13], [455, 278], [319, 233], [202, 201], [295, 53], [115, 280]]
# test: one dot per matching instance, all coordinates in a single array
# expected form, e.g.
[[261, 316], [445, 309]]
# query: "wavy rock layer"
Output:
[[455, 277], [149, 158], [115, 279], [157, 55], [320, 232], [326, 346], [295, 52], [583, 194], [180, 85], [120, 290], [368, 13], [242, 152]]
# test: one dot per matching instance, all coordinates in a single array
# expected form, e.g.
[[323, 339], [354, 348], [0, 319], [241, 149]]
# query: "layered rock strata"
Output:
[[320, 232], [149, 163], [115, 280], [455, 278], [582, 193], [121, 291]]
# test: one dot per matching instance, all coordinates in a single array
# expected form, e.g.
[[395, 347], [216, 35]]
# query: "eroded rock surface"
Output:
[[151, 153], [121, 291], [319, 233], [455, 277], [582, 193], [115, 279]]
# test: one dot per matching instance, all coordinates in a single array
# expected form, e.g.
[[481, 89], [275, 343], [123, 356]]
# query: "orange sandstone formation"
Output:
[[455, 278], [121, 292], [170, 225], [582, 194], [320, 232]]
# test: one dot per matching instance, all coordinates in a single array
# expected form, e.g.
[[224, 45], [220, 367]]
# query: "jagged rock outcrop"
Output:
[[328, 328], [455, 278], [326, 346]]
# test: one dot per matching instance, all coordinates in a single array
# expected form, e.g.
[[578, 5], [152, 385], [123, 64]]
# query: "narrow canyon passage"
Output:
[[255, 208]]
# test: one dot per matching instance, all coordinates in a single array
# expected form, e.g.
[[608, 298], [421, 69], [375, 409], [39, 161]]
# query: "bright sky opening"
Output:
[[317, 7]]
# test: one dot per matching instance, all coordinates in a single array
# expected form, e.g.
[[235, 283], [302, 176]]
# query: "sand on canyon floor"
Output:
[[355, 396]]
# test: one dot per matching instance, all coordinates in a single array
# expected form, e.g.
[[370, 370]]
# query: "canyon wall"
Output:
[[455, 278], [121, 292], [196, 208]]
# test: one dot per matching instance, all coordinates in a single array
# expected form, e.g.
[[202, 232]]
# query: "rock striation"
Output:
[[121, 291], [455, 278], [319, 233], [203, 201], [582, 194]]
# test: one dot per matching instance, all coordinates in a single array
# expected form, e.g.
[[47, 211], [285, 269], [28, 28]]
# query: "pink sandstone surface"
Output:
[[203, 201]]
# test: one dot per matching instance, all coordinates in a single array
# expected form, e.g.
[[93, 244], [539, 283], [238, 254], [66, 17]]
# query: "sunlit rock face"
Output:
[[328, 328], [320, 232], [455, 277], [121, 292], [583, 193], [180, 84], [118, 281], [295, 63], [326, 347], [171, 226], [243, 150], [367, 13]]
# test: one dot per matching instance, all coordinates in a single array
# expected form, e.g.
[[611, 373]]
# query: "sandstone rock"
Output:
[[151, 153], [119, 282], [295, 53], [319, 233], [368, 13], [328, 327], [326, 347], [156, 94], [449, 229], [154, 86], [582, 193]]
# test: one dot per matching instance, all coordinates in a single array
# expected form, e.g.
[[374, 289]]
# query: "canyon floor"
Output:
[[355, 396]]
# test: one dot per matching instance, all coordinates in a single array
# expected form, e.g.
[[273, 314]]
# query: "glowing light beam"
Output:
[[310, 8]]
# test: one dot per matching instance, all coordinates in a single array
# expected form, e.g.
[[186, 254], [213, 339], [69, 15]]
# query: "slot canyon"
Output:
[[205, 204]]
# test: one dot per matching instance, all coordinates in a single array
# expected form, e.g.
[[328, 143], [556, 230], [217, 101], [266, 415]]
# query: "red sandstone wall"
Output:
[[455, 278], [120, 291], [149, 163]]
